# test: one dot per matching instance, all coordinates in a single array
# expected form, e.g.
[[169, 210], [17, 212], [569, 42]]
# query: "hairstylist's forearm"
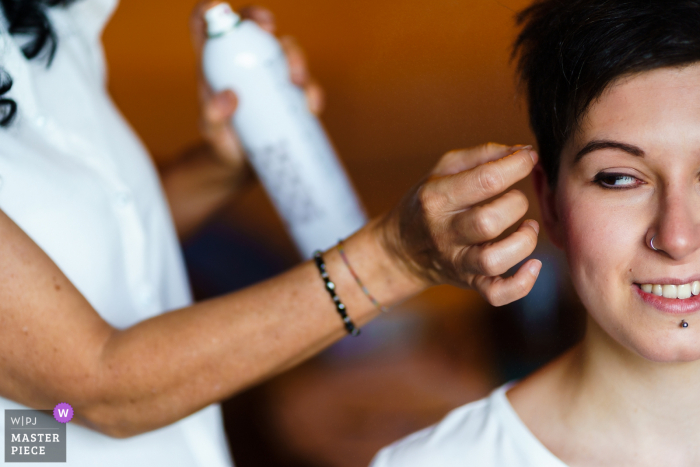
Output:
[[198, 184], [170, 366]]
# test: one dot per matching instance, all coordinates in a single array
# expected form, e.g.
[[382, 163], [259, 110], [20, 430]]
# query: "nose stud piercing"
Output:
[[651, 244], [684, 324]]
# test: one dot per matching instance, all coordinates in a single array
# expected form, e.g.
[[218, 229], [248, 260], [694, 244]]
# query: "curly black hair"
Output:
[[28, 18], [570, 51]]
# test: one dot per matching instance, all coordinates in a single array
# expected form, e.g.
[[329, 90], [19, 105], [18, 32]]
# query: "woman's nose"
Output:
[[678, 229]]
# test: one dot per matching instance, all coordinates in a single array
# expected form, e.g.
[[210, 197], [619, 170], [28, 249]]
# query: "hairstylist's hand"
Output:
[[442, 233], [216, 109]]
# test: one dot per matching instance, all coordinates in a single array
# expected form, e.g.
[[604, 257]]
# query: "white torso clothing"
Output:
[[77, 180], [485, 433]]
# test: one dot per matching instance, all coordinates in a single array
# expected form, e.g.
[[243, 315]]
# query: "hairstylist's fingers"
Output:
[[198, 26], [464, 159], [298, 69], [262, 16], [216, 128], [219, 108], [484, 181], [315, 97], [299, 74], [484, 223], [494, 259], [499, 291]]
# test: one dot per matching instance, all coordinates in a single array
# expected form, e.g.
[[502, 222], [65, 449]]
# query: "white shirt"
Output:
[[485, 433], [77, 180]]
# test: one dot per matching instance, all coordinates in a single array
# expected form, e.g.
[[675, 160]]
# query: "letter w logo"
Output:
[[63, 413]]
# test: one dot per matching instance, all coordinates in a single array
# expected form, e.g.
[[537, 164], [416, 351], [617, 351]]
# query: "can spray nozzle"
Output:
[[220, 19]]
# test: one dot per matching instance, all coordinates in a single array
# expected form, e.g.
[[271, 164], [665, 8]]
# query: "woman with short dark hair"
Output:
[[613, 88]]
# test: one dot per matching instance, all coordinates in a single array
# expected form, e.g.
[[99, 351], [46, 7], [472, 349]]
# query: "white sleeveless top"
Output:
[[77, 180], [485, 433]]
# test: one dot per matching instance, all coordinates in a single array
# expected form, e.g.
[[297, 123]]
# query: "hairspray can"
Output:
[[285, 143]]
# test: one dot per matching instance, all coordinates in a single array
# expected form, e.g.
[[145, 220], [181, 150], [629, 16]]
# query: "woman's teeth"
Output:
[[673, 291]]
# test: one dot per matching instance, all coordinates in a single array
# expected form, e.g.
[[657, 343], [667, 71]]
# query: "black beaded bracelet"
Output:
[[330, 287]]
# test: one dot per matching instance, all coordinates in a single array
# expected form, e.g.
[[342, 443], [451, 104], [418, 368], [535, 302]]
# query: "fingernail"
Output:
[[535, 225], [535, 268], [533, 155], [518, 147]]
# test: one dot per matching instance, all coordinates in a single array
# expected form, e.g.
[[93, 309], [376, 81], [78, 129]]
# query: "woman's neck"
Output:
[[601, 404]]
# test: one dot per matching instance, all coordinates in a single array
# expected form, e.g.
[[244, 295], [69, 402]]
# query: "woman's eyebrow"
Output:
[[597, 145]]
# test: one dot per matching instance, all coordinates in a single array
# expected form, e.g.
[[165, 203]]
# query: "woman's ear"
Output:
[[548, 208]]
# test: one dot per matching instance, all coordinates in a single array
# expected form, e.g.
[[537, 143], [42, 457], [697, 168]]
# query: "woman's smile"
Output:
[[671, 296]]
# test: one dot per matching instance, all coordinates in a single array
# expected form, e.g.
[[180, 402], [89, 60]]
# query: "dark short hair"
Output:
[[570, 51]]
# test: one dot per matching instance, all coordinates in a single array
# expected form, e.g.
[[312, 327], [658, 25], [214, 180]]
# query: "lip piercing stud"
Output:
[[684, 324], [651, 244]]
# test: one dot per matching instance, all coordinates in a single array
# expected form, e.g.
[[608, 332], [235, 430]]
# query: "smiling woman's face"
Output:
[[631, 173]]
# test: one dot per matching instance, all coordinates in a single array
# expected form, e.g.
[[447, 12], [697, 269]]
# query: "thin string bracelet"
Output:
[[330, 287], [375, 302]]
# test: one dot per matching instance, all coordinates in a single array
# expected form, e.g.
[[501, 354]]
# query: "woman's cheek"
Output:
[[597, 245]]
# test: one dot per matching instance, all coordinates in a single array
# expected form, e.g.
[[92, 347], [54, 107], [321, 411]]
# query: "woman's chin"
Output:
[[680, 346], [661, 341]]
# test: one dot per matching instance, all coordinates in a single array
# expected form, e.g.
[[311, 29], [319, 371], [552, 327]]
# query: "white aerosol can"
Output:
[[286, 144]]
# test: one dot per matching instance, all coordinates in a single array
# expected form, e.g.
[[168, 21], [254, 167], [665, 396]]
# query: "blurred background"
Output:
[[405, 82]]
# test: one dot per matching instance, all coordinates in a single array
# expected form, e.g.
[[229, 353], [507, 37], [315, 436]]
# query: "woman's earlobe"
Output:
[[548, 206]]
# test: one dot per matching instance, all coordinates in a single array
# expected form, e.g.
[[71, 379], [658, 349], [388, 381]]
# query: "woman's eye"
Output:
[[614, 181]]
